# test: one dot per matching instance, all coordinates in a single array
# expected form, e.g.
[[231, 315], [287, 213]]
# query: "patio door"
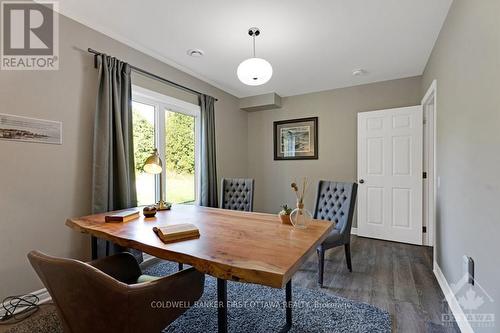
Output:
[[390, 175], [172, 127]]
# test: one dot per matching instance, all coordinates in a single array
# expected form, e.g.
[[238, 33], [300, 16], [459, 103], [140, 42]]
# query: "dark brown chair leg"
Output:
[[321, 265], [348, 256]]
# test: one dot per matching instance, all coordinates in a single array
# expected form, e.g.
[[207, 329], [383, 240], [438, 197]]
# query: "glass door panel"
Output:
[[143, 122], [180, 185]]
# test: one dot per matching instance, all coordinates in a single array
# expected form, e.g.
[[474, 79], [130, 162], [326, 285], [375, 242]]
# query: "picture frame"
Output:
[[296, 139], [27, 129]]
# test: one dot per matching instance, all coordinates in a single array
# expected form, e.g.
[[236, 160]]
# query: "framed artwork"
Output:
[[18, 128], [296, 139]]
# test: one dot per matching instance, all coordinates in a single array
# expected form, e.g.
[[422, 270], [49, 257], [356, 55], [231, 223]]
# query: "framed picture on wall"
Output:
[[19, 128], [296, 139]]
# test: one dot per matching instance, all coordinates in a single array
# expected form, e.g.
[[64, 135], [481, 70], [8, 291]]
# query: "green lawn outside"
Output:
[[179, 188]]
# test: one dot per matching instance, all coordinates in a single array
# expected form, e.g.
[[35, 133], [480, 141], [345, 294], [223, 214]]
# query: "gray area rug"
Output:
[[254, 308], [43, 321]]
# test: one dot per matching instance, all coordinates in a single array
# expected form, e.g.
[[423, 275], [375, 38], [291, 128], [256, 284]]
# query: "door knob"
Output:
[[361, 181]]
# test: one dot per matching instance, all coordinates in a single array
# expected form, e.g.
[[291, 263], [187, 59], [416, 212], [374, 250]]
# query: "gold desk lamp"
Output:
[[153, 166]]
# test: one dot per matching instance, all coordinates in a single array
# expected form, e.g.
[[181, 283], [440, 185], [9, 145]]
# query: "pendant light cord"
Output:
[[253, 45]]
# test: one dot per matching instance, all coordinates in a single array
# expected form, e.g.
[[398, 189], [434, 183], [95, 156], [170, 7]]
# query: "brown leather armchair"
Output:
[[105, 295]]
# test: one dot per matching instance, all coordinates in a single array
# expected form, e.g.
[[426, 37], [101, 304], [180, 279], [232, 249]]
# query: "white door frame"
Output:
[[430, 116]]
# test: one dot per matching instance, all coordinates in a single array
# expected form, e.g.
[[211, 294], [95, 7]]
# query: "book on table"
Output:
[[176, 232], [123, 216]]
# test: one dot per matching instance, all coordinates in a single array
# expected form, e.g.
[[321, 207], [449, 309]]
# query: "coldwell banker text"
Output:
[[30, 38]]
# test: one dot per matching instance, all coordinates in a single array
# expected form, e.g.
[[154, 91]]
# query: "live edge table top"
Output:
[[238, 246]]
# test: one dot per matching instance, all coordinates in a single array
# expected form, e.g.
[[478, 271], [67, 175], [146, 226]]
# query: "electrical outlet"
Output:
[[468, 268]]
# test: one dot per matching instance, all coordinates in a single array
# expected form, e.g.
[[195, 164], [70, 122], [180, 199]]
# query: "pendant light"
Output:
[[254, 71]]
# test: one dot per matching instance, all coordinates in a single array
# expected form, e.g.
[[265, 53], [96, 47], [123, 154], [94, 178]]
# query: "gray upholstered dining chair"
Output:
[[237, 194], [335, 202]]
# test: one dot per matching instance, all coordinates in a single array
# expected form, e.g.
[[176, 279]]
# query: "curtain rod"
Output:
[[154, 76]]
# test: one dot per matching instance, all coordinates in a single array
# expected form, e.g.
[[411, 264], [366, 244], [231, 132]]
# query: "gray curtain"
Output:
[[113, 185], [208, 173]]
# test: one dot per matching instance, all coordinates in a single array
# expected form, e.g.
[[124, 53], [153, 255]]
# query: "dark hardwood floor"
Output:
[[393, 276]]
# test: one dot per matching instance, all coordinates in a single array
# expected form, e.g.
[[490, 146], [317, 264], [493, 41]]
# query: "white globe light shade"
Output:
[[254, 71]]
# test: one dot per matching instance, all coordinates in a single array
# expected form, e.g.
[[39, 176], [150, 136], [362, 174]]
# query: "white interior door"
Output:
[[390, 174]]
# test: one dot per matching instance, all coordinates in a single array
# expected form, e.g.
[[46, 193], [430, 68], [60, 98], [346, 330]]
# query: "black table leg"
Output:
[[222, 305], [93, 245], [289, 303], [288, 307]]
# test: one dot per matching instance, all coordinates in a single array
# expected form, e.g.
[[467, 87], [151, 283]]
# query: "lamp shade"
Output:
[[254, 71], [153, 163]]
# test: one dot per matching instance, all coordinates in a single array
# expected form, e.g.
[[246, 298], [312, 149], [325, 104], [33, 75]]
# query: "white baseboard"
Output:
[[354, 231], [455, 308], [43, 297]]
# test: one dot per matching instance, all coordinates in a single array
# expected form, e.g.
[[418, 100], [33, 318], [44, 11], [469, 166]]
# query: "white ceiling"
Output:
[[313, 45]]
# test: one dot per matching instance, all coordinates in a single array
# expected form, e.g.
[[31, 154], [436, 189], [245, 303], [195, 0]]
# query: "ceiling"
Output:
[[312, 45]]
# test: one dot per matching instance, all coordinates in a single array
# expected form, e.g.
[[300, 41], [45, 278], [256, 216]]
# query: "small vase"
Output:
[[300, 216]]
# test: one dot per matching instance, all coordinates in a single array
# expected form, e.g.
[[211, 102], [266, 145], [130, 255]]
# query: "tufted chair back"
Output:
[[237, 194], [335, 202]]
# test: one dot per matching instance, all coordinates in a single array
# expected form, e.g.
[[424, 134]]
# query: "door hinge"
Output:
[[424, 175], [424, 121], [424, 229]]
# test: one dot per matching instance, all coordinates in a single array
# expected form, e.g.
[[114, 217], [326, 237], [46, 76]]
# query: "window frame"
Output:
[[161, 104]]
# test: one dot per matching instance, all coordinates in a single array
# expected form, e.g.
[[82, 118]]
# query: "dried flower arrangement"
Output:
[[300, 194], [300, 217]]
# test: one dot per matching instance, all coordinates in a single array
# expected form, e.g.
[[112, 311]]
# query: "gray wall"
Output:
[[42, 185], [337, 111], [466, 63]]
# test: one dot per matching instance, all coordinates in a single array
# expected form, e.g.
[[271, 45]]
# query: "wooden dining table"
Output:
[[236, 246]]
